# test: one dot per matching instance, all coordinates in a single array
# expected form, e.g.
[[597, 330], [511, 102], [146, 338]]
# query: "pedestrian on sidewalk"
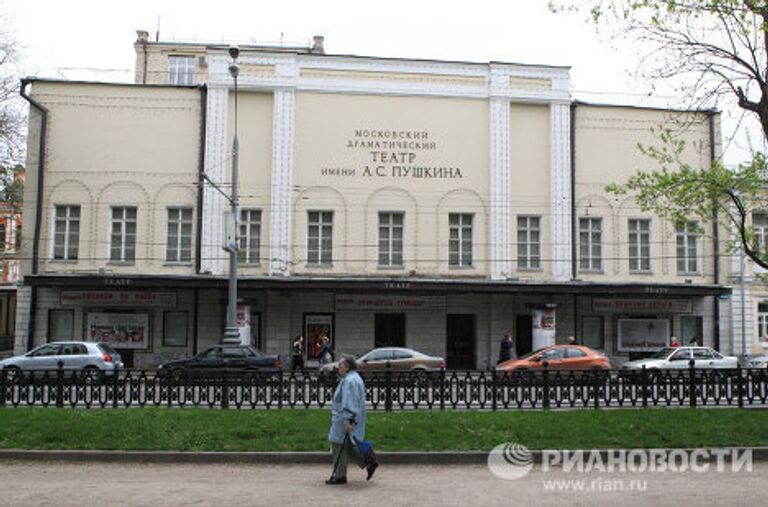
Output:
[[297, 353], [505, 347], [347, 422]]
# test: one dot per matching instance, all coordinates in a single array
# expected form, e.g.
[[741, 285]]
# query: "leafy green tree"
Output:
[[716, 53]]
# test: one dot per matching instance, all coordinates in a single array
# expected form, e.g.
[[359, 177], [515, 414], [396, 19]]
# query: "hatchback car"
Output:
[[394, 358], [218, 361], [678, 358], [89, 358], [558, 357]]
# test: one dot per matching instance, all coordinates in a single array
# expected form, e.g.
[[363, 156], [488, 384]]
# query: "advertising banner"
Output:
[[120, 330], [544, 325]]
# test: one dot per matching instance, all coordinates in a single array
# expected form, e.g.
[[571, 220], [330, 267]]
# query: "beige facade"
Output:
[[450, 195]]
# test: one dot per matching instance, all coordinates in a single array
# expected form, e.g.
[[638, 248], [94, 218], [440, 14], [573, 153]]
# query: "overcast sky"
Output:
[[94, 38]]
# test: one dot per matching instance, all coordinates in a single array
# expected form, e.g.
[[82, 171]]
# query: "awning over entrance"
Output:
[[367, 284]]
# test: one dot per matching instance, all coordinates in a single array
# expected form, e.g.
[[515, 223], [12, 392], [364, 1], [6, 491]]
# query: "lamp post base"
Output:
[[231, 335]]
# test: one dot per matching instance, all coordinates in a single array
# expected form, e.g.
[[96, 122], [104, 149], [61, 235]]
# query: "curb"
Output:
[[759, 454]]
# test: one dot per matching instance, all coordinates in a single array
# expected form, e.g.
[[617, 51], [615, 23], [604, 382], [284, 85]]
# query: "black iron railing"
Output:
[[390, 390]]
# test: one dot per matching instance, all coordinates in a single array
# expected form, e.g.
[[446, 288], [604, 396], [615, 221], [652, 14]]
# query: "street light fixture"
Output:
[[231, 332]]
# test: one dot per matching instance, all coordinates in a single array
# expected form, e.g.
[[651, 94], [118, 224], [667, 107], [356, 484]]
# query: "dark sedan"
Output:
[[221, 361]]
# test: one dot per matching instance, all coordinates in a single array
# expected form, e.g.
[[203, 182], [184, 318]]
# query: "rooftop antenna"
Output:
[[157, 32], [281, 38]]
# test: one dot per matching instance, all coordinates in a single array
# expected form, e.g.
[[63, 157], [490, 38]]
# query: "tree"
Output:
[[716, 52], [12, 120]]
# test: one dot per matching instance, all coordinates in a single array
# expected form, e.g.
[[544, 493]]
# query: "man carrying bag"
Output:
[[348, 425]]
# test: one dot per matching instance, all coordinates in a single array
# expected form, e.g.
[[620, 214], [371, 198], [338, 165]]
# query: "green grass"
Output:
[[305, 430]]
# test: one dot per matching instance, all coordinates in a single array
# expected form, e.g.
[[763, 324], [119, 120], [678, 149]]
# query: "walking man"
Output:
[[297, 353], [505, 347], [347, 420]]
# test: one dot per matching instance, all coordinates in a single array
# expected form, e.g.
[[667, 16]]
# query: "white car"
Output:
[[88, 358], [678, 358]]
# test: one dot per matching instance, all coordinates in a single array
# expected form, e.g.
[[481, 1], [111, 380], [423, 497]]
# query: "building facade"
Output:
[[428, 204]]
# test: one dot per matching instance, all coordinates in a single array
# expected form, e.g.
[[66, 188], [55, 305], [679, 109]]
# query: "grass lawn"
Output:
[[193, 429]]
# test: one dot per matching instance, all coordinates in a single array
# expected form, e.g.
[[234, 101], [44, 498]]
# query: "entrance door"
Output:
[[460, 342], [523, 334], [390, 330], [692, 327]]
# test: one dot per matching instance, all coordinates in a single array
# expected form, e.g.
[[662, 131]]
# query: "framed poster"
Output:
[[642, 335], [120, 330], [315, 326]]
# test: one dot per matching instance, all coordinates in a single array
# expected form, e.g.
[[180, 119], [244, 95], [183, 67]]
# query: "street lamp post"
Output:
[[231, 333]]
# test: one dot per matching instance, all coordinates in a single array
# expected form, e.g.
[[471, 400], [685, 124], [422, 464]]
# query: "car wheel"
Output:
[[12, 374], [91, 375]]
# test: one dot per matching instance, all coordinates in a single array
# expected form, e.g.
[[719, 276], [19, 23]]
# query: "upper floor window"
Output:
[[639, 244], [179, 238], [181, 70], [66, 232], [591, 244], [390, 239], [687, 247], [460, 239], [122, 246], [250, 237], [762, 321], [760, 226], [320, 237], [2, 237], [528, 242]]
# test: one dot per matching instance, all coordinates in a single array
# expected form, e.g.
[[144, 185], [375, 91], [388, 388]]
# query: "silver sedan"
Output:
[[679, 358]]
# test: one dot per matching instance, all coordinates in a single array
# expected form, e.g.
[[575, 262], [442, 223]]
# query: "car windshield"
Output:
[[529, 354], [663, 353]]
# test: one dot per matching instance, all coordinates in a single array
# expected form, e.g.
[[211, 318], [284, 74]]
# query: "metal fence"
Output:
[[392, 390]]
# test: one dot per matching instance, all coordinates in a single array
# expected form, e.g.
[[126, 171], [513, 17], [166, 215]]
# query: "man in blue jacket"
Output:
[[347, 416]]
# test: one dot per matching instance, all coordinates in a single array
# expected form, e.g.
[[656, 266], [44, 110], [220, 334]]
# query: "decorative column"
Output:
[[560, 206], [501, 261], [216, 168]]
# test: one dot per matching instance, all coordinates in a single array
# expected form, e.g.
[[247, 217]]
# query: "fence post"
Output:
[[442, 388], [280, 390], [596, 402], [691, 384], [388, 387], [225, 392], [115, 388], [644, 386], [545, 385], [2, 387], [740, 385], [60, 385], [494, 387]]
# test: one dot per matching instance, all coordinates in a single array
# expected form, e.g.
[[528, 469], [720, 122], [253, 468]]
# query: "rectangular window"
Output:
[[762, 321], [460, 239], [66, 232], [760, 226], [591, 244], [390, 239], [2, 237], [528, 242], [175, 329], [687, 247], [179, 239], [181, 70], [320, 237], [639, 244], [250, 237], [122, 246]]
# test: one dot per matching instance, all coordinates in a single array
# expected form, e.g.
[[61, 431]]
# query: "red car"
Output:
[[558, 357]]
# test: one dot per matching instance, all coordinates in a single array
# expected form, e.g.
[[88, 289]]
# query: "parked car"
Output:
[[398, 358], [87, 358], [678, 358], [218, 361], [754, 361], [558, 357]]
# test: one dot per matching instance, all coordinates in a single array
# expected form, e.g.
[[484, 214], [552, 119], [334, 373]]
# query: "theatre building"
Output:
[[429, 204]]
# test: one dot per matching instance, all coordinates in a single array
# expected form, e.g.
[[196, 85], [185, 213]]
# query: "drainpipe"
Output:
[[715, 236], [573, 191], [200, 177], [39, 205]]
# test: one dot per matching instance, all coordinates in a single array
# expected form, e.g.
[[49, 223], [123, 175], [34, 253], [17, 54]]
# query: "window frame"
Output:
[[638, 235], [181, 75], [591, 265], [323, 256], [68, 220], [249, 254], [463, 244], [180, 247], [526, 259], [688, 233], [124, 221], [388, 242]]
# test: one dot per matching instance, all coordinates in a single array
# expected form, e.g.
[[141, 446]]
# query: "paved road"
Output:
[[73, 484]]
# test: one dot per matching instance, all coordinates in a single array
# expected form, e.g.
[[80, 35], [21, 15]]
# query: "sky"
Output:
[[93, 39]]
